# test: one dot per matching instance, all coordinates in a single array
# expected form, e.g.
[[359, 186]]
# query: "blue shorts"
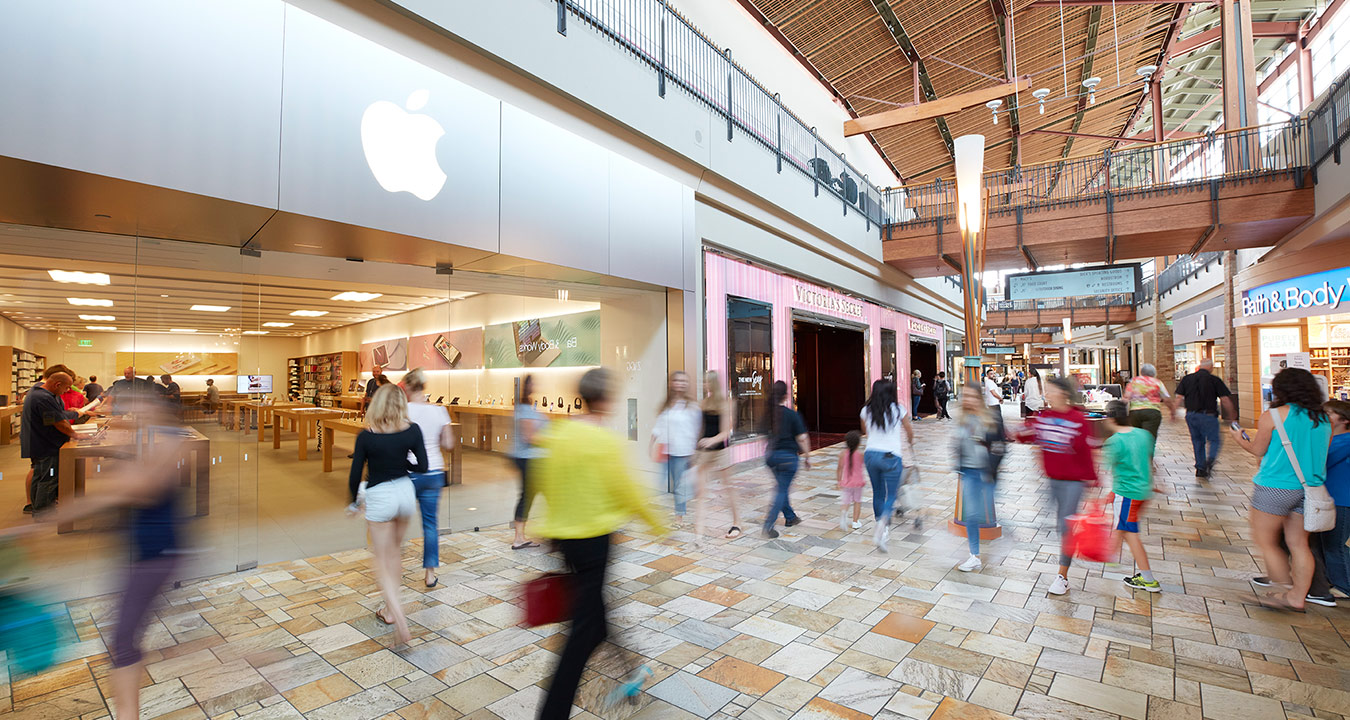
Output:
[[1128, 517]]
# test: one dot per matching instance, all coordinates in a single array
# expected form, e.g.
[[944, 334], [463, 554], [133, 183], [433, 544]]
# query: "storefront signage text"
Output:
[[999, 350], [1102, 280], [1308, 295], [922, 328], [810, 297]]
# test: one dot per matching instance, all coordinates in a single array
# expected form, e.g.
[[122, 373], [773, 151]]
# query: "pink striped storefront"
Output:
[[724, 276]]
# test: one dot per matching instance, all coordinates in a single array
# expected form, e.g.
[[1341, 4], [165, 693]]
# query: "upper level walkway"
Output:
[[1222, 191]]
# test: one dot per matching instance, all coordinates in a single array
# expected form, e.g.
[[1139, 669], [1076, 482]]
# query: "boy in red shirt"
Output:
[[1066, 438]]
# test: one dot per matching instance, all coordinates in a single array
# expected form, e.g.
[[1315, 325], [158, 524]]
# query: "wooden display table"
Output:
[[349, 402], [486, 415], [454, 460], [263, 412], [120, 442], [7, 414], [303, 419]]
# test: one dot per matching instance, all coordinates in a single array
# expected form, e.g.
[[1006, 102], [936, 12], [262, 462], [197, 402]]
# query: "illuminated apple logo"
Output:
[[400, 146]]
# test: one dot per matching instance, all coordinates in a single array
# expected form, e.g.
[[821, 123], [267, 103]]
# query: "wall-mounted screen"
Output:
[[1100, 280], [254, 384]]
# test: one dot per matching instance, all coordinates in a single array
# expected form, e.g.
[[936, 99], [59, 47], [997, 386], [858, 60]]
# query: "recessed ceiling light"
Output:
[[91, 302], [303, 245], [182, 329], [99, 318], [99, 327], [210, 308], [352, 296], [103, 216], [255, 332], [163, 295], [310, 313], [277, 324], [80, 278]]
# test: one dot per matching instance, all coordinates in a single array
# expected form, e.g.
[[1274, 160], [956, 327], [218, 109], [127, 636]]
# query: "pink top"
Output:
[[850, 473]]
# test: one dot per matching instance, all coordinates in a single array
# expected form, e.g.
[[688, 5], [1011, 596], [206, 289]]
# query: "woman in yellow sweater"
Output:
[[584, 478]]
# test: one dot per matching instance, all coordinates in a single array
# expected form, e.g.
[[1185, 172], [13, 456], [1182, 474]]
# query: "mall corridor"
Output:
[[815, 624]]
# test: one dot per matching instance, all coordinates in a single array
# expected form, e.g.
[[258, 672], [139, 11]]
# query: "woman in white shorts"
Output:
[[382, 451]]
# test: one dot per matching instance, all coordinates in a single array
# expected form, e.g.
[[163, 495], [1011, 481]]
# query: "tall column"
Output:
[[1230, 344], [1164, 356], [1239, 80]]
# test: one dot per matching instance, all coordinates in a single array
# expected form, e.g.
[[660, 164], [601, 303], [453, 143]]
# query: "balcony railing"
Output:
[[1185, 268], [1227, 156], [1329, 122], [684, 58]]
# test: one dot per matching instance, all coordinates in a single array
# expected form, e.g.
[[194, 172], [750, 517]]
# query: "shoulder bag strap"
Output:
[[1288, 446]]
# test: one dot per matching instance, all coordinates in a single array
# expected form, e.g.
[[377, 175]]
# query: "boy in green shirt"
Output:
[[1129, 452]]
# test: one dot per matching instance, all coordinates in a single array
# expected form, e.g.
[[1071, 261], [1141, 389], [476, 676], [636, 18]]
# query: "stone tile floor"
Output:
[[816, 624]]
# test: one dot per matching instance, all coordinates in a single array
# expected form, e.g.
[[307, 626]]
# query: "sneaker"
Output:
[[28, 509], [1137, 581], [1059, 585], [856, 524], [1323, 600], [793, 522], [971, 564], [880, 536], [770, 533], [843, 522], [1262, 581], [1201, 474]]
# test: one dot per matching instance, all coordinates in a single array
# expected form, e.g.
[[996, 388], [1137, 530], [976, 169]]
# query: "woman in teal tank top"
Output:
[[1277, 498]]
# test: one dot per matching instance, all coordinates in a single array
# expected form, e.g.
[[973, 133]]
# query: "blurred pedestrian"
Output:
[[1330, 546], [849, 476], [1147, 397], [528, 421], [382, 452], [675, 439], [916, 386], [788, 446], [590, 492], [712, 458], [882, 420], [1033, 393], [942, 392], [439, 436], [1129, 455], [1203, 393], [976, 441]]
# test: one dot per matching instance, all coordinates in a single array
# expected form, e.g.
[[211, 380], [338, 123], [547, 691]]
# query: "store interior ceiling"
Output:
[[153, 285]]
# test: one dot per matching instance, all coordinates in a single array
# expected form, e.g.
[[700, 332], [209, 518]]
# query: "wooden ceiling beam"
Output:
[[935, 108], [1276, 30], [1099, 3], [1007, 41], [1178, 20], [902, 39], [1089, 46]]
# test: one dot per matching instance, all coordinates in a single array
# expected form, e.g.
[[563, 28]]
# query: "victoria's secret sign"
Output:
[[811, 297]]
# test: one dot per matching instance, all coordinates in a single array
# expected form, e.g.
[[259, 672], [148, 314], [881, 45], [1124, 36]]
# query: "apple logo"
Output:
[[400, 146]]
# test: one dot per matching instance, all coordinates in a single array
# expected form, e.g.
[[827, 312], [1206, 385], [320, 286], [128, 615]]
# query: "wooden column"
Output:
[[1230, 340], [1239, 80], [1164, 355]]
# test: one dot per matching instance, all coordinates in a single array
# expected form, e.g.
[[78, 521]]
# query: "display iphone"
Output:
[[448, 352], [381, 356], [530, 342]]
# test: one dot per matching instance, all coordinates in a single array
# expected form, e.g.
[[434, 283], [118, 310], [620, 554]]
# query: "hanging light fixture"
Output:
[[1091, 85], [1040, 96], [1146, 72], [993, 106]]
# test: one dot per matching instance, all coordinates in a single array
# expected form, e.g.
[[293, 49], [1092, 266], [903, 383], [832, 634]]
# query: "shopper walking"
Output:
[[1202, 393], [787, 443], [849, 476], [883, 420], [1147, 397], [712, 459], [439, 438], [1129, 454], [675, 439], [976, 442], [584, 478], [916, 386], [1330, 546], [382, 452], [1065, 437], [527, 425], [1292, 439], [1033, 393], [942, 392]]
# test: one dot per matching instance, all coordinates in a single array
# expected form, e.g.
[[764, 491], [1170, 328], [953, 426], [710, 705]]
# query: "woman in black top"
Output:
[[387, 493], [787, 440]]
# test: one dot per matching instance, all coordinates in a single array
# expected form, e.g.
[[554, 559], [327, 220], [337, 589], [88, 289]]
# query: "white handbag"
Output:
[[1319, 510]]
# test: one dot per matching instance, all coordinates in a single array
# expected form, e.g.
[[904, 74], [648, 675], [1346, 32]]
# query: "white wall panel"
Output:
[[646, 224]]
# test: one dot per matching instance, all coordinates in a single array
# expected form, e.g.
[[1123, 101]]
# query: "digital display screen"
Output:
[[254, 384]]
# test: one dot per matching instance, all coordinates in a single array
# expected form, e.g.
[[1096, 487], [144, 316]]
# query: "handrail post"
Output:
[[562, 17], [815, 160], [661, 70], [778, 115], [730, 71]]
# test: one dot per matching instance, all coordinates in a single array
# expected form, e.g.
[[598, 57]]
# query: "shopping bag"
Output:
[[1087, 534], [548, 599]]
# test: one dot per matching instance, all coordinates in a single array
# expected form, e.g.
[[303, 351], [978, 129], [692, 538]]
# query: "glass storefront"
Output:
[[750, 359]]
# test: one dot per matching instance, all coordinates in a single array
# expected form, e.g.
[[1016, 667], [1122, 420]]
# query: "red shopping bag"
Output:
[[1087, 534], [548, 599]]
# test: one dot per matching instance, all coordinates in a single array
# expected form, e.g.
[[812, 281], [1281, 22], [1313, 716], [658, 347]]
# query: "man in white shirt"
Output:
[[993, 398]]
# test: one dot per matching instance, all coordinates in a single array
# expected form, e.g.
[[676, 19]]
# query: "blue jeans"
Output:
[[783, 463], [428, 487], [1335, 555], [1204, 431], [915, 410], [884, 470], [676, 467], [977, 505]]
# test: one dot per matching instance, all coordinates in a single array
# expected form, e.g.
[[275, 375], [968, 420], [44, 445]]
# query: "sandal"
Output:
[[733, 533], [1277, 602], [380, 614], [524, 545]]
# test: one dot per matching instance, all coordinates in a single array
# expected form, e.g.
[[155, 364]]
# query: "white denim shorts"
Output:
[[391, 499]]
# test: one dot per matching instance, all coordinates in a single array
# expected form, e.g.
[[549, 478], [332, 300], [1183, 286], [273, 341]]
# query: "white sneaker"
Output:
[[881, 535], [971, 564], [1059, 585], [856, 524]]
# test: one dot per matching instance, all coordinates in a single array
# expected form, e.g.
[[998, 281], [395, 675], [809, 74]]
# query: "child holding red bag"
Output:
[[1065, 436], [1129, 451]]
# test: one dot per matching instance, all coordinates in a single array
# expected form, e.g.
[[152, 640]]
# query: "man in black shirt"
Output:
[[45, 428], [373, 384], [1202, 394], [123, 392], [172, 392], [92, 390]]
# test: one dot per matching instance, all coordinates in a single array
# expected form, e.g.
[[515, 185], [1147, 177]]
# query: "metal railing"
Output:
[[1329, 122], [685, 58], [1158, 167], [1185, 268]]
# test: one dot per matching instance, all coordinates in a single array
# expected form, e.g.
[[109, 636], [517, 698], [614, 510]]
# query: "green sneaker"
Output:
[[1138, 581]]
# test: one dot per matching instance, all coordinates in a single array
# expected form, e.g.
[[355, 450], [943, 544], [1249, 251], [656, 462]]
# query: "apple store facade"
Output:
[[261, 202]]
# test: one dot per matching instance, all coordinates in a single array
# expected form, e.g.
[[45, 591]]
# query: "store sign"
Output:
[[1198, 327], [1103, 280], [919, 327], [808, 296], [1316, 294], [1000, 350]]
